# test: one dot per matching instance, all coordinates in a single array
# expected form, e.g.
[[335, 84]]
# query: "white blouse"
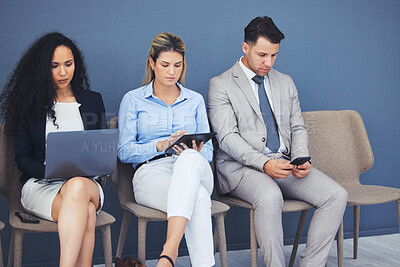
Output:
[[68, 118]]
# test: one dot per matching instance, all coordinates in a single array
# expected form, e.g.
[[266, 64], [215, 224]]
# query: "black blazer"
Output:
[[30, 141]]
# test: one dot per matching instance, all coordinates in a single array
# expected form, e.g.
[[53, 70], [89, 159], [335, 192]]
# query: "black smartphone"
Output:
[[300, 160], [25, 218]]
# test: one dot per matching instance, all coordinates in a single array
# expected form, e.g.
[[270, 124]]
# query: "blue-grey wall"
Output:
[[341, 54]]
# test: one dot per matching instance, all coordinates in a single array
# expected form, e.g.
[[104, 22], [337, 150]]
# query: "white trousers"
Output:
[[181, 186]]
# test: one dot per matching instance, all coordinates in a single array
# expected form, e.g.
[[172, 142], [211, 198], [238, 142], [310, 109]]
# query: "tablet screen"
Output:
[[187, 139]]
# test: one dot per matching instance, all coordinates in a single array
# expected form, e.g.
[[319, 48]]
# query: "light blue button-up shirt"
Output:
[[144, 120]]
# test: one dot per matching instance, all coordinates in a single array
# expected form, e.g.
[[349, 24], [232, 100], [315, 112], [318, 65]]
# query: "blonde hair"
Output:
[[165, 41]]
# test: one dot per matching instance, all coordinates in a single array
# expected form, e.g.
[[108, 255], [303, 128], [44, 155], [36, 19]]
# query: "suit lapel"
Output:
[[83, 109], [276, 91], [241, 80], [275, 95]]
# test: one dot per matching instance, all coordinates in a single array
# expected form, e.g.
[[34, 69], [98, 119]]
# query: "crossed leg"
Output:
[[74, 208], [182, 188]]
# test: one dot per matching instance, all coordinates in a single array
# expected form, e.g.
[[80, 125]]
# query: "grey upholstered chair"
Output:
[[339, 146], [1, 249], [10, 187], [122, 182], [289, 205]]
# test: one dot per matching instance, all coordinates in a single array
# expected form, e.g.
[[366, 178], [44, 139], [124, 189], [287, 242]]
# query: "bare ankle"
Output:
[[171, 251], [164, 261]]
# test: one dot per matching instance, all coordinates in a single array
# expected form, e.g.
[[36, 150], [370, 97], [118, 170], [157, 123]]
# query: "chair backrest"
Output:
[[339, 144], [10, 187], [121, 180]]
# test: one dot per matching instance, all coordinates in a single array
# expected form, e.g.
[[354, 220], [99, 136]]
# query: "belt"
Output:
[[156, 157]]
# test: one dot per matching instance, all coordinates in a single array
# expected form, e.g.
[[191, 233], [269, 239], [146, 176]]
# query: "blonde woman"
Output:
[[152, 118]]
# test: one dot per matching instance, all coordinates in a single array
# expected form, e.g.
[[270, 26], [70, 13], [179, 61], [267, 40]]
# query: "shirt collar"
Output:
[[182, 96], [149, 90]]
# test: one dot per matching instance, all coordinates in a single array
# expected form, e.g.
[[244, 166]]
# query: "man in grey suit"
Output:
[[256, 113]]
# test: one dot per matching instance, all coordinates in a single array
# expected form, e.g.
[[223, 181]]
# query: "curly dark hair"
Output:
[[30, 91]]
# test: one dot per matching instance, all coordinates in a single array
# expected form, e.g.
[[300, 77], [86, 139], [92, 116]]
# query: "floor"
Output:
[[373, 251]]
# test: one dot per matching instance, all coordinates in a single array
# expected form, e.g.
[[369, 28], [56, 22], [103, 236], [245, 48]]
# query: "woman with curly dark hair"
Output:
[[49, 92]]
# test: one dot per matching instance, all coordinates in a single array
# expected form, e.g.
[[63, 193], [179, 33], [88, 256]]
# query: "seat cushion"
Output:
[[103, 218], [289, 205], [218, 207], [234, 201], [157, 215], [371, 194]]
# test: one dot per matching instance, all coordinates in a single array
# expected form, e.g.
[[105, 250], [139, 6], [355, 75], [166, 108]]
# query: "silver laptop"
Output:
[[81, 153]]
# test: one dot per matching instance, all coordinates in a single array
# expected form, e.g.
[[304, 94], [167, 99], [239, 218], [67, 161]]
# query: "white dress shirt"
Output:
[[254, 86]]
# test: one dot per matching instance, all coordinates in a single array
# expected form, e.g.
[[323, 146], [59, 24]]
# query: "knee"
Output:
[[338, 197], [190, 155], [191, 161], [270, 201], [341, 196], [77, 188]]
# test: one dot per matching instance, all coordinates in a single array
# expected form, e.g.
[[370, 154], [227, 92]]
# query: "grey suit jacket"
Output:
[[235, 115]]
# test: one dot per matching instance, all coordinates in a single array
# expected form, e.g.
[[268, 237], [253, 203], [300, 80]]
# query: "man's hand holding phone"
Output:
[[277, 168], [302, 170], [303, 166]]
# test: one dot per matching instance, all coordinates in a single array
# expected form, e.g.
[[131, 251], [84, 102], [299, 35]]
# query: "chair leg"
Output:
[[1, 255], [106, 234], [215, 237], [10, 262], [398, 211], [356, 227], [123, 232], [142, 226], [300, 227], [339, 241], [17, 247], [253, 240], [220, 218]]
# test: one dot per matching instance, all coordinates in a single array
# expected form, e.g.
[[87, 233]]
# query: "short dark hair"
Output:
[[262, 27]]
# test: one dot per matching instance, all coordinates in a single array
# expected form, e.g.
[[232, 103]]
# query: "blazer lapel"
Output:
[[274, 85], [241, 80], [83, 109]]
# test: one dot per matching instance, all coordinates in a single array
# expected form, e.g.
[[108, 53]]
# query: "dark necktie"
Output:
[[269, 118]]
